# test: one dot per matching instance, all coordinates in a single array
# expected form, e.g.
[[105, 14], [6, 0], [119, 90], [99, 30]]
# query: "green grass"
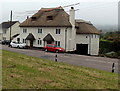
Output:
[[25, 72]]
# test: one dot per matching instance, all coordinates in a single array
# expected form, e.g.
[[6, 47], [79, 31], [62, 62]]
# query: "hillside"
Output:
[[25, 72], [107, 28]]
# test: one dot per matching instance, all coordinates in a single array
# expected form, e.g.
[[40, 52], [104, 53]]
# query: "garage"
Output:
[[82, 49]]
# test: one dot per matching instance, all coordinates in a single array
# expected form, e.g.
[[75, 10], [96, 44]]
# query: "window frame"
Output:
[[4, 38], [4, 31], [40, 31], [58, 31], [24, 41], [49, 17], [24, 30], [39, 42], [58, 43]]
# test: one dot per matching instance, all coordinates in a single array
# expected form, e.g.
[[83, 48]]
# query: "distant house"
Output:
[[5, 30], [55, 26]]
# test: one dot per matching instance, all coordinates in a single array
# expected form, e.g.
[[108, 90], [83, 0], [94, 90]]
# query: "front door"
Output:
[[31, 43], [49, 42]]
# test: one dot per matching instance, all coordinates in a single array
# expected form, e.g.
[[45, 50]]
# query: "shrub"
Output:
[[112, 54]]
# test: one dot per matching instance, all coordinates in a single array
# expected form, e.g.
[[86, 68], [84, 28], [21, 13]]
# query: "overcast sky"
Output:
[[103, 12]]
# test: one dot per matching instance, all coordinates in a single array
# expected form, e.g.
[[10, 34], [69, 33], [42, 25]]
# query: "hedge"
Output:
[[108, 46]]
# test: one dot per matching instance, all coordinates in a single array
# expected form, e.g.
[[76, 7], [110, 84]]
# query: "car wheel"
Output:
[[11, 46], [18, 47], [57, 51], [46, 50]]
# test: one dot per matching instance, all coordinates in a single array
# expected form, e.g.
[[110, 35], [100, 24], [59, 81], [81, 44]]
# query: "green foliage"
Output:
[[112, 54], [110, 42]]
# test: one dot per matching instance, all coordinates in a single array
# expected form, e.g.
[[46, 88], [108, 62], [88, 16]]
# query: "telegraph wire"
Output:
[[87, 9]]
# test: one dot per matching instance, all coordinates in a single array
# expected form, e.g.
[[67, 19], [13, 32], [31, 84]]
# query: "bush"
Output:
[[108, 46], [112, 54]]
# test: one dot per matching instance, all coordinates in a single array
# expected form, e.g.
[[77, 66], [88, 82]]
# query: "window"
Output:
[[39, 30], [92, 36], [39, 42], [49, 17], [96, 36], [33, 18], [4, 31], [57, 43], [4, 38], [24, 40], [18, 39], [24, 30], [57, 31]]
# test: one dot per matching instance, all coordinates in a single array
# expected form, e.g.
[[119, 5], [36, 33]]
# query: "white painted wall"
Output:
[[92, 40], [15, 29], [45, 31], [0, 36]]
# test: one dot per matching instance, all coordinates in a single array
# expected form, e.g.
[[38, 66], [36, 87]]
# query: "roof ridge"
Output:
[[83, 21], [50, 9]]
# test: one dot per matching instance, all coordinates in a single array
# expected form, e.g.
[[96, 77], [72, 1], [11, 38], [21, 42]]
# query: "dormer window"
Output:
[[33, 18], [49, 17]]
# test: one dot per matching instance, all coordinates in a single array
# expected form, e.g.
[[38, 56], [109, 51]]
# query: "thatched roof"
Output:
[[52, 17], [57, 17], [84, 27]]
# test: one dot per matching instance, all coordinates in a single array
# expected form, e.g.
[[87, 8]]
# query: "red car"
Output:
[[53, 48]]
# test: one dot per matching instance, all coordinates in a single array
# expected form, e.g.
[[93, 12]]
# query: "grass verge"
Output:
[[26, 72]]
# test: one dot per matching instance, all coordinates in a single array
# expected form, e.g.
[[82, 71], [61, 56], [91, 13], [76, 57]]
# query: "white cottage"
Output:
[[55, 26], [5, 30]]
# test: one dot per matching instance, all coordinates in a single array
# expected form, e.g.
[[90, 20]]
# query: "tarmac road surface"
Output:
[[101, 63]]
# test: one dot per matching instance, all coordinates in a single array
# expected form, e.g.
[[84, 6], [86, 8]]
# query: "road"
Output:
[[101, 63]]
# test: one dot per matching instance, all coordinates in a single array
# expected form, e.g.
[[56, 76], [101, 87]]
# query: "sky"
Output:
[[101, 12]]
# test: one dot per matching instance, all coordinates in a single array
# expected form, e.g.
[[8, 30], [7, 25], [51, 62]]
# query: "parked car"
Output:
[[18, 45], [53, 48], [5, 42], [0, 41]]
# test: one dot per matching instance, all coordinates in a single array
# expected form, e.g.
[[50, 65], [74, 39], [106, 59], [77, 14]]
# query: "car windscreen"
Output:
[[58, 46], [50, 45]]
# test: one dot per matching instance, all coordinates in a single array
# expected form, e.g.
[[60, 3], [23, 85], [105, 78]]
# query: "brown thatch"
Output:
[[84, 27], [60, 19], [57, 17]]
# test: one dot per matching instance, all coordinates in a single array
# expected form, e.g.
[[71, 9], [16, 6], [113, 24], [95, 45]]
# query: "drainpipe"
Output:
[[89, 44], [66, 38]]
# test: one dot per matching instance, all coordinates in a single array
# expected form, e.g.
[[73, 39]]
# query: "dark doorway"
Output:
[[49, 42], [82, 49], [18, 39], [31, 43]]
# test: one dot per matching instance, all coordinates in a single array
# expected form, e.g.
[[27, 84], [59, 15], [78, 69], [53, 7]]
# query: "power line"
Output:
[[87, 9]]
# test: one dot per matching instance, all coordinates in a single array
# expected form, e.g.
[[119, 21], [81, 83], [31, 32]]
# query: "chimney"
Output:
[[27, 17], [72, 16], [73, 30]]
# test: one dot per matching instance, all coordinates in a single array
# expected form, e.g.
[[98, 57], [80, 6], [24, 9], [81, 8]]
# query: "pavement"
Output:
[[101, 63]]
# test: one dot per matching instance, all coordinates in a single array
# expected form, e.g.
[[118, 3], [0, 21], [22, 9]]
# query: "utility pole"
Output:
[[10, 25]]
